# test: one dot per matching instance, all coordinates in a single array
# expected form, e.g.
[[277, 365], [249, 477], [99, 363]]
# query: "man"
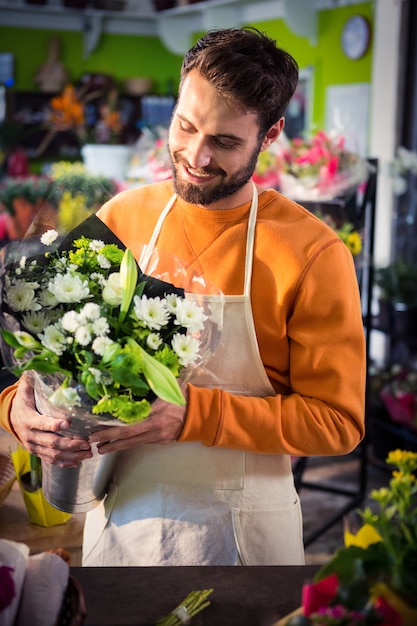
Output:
[[211, 483]]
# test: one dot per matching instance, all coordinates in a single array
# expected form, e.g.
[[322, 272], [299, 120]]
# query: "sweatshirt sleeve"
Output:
[[320, 408], [6, 399]]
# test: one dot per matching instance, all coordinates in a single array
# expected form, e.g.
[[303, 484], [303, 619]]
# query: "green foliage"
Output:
[[398, 283]]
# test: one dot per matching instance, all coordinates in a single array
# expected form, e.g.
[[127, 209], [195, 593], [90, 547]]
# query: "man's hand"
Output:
[[164, 425], [38, 433]]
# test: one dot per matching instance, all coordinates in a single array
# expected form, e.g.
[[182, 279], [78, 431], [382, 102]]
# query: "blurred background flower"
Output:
[[68, 112], [316, 168]]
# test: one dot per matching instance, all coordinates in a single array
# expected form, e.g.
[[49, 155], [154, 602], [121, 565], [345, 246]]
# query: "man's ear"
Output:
[[273, 133]]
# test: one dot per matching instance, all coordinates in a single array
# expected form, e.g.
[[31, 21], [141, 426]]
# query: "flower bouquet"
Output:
[[101, 340], [371, 581], [150, 160], [319, 168]]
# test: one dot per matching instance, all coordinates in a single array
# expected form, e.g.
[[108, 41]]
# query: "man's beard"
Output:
[[196, 194]]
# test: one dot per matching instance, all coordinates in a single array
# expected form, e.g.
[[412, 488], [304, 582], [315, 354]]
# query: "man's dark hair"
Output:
[[246, 68]]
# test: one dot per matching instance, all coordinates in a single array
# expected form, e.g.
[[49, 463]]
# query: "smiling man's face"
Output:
[[213, 146]]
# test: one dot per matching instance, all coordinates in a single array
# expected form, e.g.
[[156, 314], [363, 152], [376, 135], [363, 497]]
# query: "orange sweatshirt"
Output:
[[306, 309]]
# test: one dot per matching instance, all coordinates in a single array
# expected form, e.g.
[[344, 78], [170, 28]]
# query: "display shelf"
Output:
[[173, 26], [28, 108], [362, 214]]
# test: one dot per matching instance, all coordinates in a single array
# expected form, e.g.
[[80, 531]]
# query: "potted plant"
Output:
[[397, 283], [371, 580]]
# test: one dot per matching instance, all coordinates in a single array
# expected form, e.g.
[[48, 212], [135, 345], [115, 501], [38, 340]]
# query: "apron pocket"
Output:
[[270, 537]]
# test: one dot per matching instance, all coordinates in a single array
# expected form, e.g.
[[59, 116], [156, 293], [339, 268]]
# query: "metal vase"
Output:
[[79, 489]]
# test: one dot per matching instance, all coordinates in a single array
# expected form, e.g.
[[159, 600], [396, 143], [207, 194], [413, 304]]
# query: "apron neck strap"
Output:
[[250, 240], [147, 250]]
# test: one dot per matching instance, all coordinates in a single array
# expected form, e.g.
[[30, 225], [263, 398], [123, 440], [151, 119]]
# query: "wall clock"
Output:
[[356, 37]]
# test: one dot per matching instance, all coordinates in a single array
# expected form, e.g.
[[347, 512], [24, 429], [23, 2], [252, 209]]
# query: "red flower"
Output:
[[390, 616], [319, 595]]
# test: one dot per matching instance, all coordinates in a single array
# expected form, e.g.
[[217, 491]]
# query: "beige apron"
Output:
[[187, 504]]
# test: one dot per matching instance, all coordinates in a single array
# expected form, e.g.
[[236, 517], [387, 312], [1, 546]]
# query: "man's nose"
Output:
[[198, 153]]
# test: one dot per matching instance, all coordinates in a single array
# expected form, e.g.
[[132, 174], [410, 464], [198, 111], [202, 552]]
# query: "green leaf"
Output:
[[128, 276], [128, 378], [160, 379], [90, 384], [10, 338], [41, 364]]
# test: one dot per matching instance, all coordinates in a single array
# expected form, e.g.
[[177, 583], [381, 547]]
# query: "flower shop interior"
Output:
[[87, 88]]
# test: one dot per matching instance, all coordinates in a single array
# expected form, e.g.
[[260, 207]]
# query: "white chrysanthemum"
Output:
[[98, 278], [90, 312], [65, 397], [96, 373], [22, 262], [101, 327], [60, 265], [36, 321], [53, 339], [84, 335], [112, 290], [49, 237], [96, 245], [186, 348], [152, 311], [190, 315], [69, 288], [103, 262], [22, 297], [100, 344], [47, 299], [171, 302], [70, 321], [153, 341]]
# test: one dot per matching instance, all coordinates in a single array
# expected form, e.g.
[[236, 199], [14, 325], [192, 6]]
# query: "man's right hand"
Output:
[[39, 433]]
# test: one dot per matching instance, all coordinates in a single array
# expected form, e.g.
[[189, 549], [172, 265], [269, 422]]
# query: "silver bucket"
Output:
[[78, 489]]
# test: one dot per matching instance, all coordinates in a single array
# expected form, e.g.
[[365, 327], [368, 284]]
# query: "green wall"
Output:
[[326, 59], [124, 56]]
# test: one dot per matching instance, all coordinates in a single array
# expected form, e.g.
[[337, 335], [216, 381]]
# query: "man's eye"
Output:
[[224, 143], [186, 129]]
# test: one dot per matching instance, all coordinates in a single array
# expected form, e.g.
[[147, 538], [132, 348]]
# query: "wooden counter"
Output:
[[14, 523]]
